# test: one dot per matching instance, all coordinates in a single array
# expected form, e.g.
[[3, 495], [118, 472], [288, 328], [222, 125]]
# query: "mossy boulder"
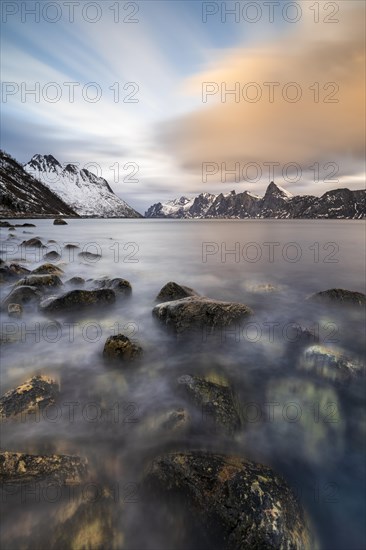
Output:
[[120, 348], [22, 468], [22, 295], [37, 393], [195, 313], [119, 285], [227, 502], [15, 311], [173, 291], [331, 363], [41, 281], [78, 299], [216, 402], [76, 281], [34, 243], [339, 296], [48, 269]]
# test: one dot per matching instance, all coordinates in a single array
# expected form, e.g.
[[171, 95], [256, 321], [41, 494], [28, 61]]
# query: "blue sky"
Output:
[[167, 54]]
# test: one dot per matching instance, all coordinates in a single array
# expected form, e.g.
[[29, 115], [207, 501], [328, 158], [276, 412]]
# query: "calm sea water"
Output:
[[307, 427]]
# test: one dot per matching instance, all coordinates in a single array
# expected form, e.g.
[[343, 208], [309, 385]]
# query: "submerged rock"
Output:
[[59, 221], [24, 468], [37, 393], [339, 296], [332, 364], [121, 348], [216, 401], [228, 502], [50, 281], [47, 269], [121, 286], [15, 310], [76, 299], [197, 313], [172, 291], [89, 256]]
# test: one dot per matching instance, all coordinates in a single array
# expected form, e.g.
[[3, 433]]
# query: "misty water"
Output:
[[307, 426]]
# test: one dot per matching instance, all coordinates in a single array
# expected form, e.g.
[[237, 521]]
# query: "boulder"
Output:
[[35, 243], [172, 291], [37, 393], [331, 363], [22, 468], [227, 502], [52, 256], [197, 313], [12, 272], [76, 281], [120, 286], [21, 295], [89, 256], [340, 296], [216, 402], [120, 348], [59, 221], [47, 269], [39, 281], [76, 299]]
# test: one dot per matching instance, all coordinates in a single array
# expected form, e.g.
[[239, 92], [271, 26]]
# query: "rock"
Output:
[[15, 310], [330, 363], [176, 421], [22, 468], [21, 295], [76, 281], [49, 280], [227, 501], [172, 291], [121, 348], [89, 256], [5, 224], [12, 228], [25, 225], [196, 313], [339, 296], [37, 393], [14, 271], [59, 221], [71, 246], [52, 255], [76, 299], [262, 288], [216, 402], [47, 269], [35, 242], [121, 286]]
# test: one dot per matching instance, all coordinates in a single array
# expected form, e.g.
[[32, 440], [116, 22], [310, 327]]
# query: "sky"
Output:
[[171, 98]]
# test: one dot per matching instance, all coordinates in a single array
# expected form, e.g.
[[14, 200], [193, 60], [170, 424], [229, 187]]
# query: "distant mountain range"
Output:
[[276, 203], [42, 187]]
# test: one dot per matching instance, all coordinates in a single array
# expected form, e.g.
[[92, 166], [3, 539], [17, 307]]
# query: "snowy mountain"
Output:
[[23, 196], [276, 203], [86, 193]]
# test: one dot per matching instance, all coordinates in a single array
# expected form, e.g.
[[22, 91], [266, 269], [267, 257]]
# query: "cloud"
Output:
[[282, 131]]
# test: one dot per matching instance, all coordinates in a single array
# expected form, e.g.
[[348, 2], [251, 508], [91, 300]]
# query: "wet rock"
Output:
[[172, 291], [339, 296], [25, 225], [121, 348], [47, 269], [76, 299], [71, 246], [216, 402], [22, 295], [89, 256], [37, 393], [330, 363], [15, 310], [227, 502], [52, 255], [24, 468], [262, 288], [35, 242], [176, 421], [41, 281], [5, 224], [12, 272], [59, 221], [197, 313], [76, 281], [12, 228], [120, 286]]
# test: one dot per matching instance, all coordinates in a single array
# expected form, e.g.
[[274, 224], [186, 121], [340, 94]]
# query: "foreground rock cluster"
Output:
[[226, 501]]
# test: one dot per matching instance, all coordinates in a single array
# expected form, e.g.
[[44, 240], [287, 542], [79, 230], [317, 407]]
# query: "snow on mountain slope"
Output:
[[83, 191]]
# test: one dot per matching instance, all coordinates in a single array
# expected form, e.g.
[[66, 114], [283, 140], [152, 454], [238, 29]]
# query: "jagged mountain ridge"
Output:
[[23, 196], [276, 203], [86, 193]]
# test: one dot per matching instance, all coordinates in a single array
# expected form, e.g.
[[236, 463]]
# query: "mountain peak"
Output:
[[276, 190]]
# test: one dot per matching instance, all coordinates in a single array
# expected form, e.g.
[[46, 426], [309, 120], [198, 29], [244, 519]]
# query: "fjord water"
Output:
[[306, 426]]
